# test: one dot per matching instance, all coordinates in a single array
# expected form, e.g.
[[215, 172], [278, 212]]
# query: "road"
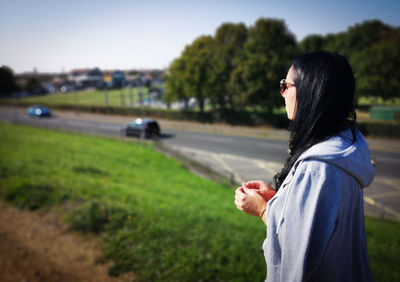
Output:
[[239, 157]]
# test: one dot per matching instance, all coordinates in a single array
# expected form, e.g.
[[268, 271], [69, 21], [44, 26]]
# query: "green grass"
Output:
[[383, 239], [115, 97], [152, 216], [371, 101]]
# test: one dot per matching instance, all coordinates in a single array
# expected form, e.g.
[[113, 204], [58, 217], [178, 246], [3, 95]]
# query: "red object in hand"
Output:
[[263, 189]]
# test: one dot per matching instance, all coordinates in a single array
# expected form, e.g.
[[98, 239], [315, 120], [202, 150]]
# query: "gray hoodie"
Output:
[[315, 222]]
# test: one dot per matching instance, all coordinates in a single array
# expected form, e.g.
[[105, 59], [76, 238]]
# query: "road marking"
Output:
[[372, 202], [227, 167], [270, 167], [229, 156], [386, 194], [388, 182], [263, 166]]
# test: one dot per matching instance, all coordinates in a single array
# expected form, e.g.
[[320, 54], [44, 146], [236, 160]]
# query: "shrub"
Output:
[[29, 196], [380, 129], [95, 217]]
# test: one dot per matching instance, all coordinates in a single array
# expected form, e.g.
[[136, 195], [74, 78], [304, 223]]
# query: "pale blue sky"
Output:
[[55, 35]]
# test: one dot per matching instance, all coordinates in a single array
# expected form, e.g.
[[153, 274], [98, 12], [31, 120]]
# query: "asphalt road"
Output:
[[242, 157], [249, 147], [387, 164]]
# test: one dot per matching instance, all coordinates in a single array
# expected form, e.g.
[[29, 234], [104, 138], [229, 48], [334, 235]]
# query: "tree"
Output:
[[33, 84], [268, 52], [229, 41], [7, 81], [357, 37], [312, 43], [190, 74], [376, 71], [372, 49], [198, 69], [174, 81]]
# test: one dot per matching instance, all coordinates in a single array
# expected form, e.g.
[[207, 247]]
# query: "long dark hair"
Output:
[[325, 103]]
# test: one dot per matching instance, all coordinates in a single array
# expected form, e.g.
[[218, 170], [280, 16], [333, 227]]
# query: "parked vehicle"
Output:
[[144, 128], [39, 111]]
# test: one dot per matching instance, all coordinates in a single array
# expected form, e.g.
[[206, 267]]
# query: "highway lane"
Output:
[[249, 147], [387, 164], [61, 123]]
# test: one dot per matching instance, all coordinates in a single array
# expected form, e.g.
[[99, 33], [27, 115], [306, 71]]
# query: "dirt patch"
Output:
[[36, 246]]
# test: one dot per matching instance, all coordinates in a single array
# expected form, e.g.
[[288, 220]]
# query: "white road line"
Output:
[[263, 166], [220, 158], [229, 156], [227, 167], [388, 182], [386, 194], [372, 202]]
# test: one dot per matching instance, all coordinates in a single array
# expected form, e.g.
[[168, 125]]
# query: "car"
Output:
[[142, 127], [39, 111]]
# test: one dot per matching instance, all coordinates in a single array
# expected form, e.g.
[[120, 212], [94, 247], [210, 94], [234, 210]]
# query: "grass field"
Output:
[[151, 215], [114, 97], [364, 101]]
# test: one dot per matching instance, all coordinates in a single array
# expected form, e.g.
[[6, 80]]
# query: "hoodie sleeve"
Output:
[[307, 218]]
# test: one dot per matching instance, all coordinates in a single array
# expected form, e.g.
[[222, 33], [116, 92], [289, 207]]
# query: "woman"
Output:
[[315, 221]]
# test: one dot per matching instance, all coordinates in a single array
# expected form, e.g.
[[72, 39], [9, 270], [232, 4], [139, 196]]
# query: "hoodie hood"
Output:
[[352, 157], [339, 150]]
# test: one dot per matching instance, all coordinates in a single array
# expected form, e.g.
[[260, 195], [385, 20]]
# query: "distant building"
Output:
[[157, 82], [114, 78], [83, 78], [132, 77]]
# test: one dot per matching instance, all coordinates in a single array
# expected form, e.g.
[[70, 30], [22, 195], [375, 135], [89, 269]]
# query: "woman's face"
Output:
[[290, 95]]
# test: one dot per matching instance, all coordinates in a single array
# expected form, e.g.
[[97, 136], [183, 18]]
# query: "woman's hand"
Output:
[[249, 201], [261, 188]]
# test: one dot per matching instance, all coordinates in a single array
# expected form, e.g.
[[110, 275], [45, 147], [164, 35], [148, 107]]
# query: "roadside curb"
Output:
[[196, 167]]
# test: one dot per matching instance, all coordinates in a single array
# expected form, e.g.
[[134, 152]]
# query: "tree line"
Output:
[[241, 66]]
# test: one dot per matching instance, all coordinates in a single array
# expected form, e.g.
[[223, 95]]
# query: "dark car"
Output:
[[39, 111], [143, 128]]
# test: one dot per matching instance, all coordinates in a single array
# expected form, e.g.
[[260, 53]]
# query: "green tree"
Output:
[[7, 81], [357, 38], [190, 74], [376, 71], [268, 52], [198, 70], [372, 49], [312, 43], [32, 84], [229, 41], [174, 81]]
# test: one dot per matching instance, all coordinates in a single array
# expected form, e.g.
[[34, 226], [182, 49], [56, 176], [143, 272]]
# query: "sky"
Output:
[[59, 35]]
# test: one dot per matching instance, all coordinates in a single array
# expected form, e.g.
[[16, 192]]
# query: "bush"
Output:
[[95, 217], [29, 196], [380, 129]]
